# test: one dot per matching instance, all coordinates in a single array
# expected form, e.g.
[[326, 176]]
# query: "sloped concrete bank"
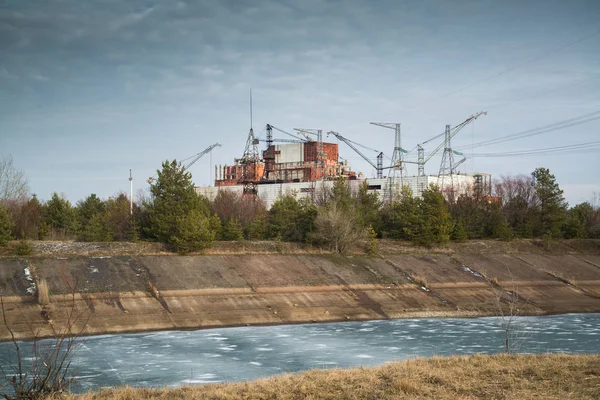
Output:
[[138, 293]]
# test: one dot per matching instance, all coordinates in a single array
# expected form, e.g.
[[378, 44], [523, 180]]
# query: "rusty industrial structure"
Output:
[[303, 163], [300, 160]]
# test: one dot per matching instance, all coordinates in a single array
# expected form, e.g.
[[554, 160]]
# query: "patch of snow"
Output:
[[469, 270], [28, 274], [31, 289]]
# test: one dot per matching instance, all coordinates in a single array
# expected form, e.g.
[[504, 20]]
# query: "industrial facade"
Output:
[[384, 187]]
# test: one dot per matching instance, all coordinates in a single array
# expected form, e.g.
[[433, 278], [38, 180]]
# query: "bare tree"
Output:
[[509, 307], [47, 369], [337, 227], [13, 182]]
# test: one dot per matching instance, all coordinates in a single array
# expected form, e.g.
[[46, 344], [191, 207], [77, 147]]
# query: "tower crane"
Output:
[[446, 144], [193, 159], [282, 140], [379, 167], [306, 132]]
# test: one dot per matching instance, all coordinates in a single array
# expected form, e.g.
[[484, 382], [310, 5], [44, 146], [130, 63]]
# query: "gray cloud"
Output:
[[162, 79]]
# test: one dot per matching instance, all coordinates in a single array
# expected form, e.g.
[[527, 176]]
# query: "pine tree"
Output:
[[61, 216], [459, 232], [233, 230], [95, 230], [192, 232], [368, 207], [177, 215], [552, 205], [436, 220], [89, 207], [292, 220], [6, 226]]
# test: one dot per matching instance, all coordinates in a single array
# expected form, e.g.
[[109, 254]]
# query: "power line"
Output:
[[580, 148], [582, 119], [556, 50]]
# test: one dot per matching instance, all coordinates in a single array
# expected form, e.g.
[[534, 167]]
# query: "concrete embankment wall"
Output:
[[129, 293]]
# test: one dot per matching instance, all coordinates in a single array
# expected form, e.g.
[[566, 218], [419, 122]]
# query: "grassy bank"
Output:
[[474, 377]]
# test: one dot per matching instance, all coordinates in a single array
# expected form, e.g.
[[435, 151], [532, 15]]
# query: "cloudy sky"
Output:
[[91, 89]]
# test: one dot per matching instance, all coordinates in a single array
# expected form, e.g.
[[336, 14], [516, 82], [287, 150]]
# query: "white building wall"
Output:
[[289, 153], [269, 193]]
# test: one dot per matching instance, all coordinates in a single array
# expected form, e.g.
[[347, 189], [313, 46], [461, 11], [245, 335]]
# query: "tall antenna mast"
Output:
[[250, 159], [130, 193]]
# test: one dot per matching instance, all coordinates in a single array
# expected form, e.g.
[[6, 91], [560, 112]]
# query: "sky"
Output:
[[92, 89]]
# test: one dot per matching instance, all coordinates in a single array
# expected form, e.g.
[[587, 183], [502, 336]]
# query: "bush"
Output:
[[23, 248], [192, 233]]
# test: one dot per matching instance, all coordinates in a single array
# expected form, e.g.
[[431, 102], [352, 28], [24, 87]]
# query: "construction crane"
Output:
[[270, 130], [276, 140], [446, 144], [378, 167], [305, 132], [397, 156], [193, 159]]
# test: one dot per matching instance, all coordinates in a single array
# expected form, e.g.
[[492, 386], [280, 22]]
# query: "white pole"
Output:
[[130, 193]]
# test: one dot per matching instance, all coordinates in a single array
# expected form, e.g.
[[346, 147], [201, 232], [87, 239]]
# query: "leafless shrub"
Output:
[[509, 307], [337, 228], [47, 369]]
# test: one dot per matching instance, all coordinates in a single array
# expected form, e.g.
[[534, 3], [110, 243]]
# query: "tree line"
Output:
[[525, 206]]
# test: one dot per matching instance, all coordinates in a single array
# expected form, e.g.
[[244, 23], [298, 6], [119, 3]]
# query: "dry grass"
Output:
[[420, 280], [43, 293], [475, 377]]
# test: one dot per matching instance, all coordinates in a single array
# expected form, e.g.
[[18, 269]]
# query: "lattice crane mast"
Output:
[[447, 166], [446, 144], [378, 167]]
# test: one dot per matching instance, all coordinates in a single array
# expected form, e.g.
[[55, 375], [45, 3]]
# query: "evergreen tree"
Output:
[[89, 207], [61, 216], [292, 220], [459, 233], [90, 213], [340, 192], [177, 215], [233, 230], [216, 226], [552, 205], [436, 220], [583, 221], [257, 228], [402, 219], [192, 232], [6, 226], [368, 208], [95, 230]]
